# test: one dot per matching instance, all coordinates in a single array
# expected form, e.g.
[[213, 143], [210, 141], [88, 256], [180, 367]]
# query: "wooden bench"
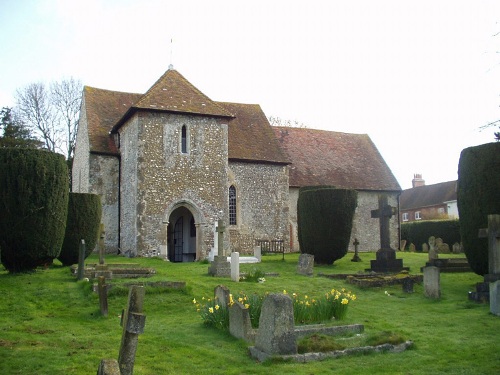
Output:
[[271, 246]]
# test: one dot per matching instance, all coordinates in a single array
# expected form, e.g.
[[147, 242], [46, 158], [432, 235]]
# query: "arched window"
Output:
[[232, 205], [184, 140]]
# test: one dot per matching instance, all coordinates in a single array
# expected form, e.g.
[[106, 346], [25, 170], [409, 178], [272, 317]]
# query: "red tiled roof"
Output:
[[428, 195], [104, 108], [344, 160], [251, 137]]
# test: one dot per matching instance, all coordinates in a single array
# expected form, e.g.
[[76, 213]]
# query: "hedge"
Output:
[[324, 218], [478, 196], [33, 205], [418, 232], [84, 217]]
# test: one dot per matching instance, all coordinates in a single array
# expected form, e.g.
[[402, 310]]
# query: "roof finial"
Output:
[[171, 65]]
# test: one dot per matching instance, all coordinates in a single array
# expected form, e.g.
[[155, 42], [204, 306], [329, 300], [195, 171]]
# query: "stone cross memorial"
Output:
[[220, 266], [356, 257], [386, 256]]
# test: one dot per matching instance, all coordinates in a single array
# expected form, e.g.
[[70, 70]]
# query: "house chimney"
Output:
[[417, 180]]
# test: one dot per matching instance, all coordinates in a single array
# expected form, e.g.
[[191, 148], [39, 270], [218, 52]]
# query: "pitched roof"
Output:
[[251, 137], [428, 195], [103, 109], [344, 160], [174, 93]]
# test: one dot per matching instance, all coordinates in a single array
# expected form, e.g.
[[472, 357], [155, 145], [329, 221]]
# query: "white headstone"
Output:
[[495, 298], [235, 266], [257, 253], [432, 284]]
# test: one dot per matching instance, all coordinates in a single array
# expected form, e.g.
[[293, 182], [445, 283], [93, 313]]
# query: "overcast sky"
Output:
[[419, 77]]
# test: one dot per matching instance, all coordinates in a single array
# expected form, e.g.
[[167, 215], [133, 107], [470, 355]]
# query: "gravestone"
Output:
[[432, 284], [386, 256], [432, 243], [402, 245], [439, 242], [408, 285], [356, 257], [81, 260], [220, 266], [456, 248], [493, 276], [103, 295], [257, 253], [221, 294], [102, 248], [433, 254], [276, 333], [425, 248], [306, 264], [235, 266], [411, 247], [443, 248], [108, 367], [240, 325], [133, 322]]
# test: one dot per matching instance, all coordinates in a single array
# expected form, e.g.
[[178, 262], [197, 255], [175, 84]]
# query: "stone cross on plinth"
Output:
[[356, 257], [386, 256], [220, 266]]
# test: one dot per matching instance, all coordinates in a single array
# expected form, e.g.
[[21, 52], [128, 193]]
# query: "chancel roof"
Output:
[[428, 195], [344, 160]]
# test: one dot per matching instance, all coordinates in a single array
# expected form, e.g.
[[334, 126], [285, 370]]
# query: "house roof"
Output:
[[428, 195], [344, 160], [251, 137]]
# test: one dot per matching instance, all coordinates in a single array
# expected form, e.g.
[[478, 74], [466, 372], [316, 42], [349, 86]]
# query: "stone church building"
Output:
[[171, 162]]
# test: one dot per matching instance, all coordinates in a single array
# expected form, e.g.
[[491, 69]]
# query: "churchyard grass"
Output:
[[50, 323]]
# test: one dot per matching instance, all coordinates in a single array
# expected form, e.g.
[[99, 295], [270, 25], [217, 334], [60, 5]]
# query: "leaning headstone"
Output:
[[402, 245], [276, 333], [456, 248], [306, 264], [432, 284], [495, 298], [108, 367], [240, 325], [235, 266], [133, 322], [425, 248], [386, 256], [221, 294]]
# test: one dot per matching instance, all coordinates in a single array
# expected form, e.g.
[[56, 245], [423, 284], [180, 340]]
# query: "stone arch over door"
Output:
[[183, 235]]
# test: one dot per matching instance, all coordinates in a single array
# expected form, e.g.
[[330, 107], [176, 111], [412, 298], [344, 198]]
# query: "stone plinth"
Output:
[[220, 267]]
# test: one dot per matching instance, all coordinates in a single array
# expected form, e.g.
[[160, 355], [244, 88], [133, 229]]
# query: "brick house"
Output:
[[171, 162], [428, 202]]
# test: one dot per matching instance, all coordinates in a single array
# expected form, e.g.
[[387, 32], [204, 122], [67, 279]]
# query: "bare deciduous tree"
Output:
[[52, 113], [66, 97]]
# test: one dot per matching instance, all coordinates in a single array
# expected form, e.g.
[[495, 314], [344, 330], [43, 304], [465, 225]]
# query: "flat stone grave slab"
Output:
[[117, 270], [375, 279]]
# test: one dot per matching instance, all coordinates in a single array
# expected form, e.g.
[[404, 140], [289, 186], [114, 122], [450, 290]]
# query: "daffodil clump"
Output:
[[307, 310]]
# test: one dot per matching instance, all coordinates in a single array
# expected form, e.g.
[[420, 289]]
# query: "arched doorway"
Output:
[[181, 236]]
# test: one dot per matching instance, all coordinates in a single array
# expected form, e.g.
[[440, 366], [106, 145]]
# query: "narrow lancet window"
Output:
[[232, 205], [184, 140]]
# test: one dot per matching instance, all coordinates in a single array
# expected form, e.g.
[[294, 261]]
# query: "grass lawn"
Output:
[[50, 324]]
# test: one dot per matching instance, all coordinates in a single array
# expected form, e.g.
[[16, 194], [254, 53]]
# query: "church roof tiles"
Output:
[[344, 160]]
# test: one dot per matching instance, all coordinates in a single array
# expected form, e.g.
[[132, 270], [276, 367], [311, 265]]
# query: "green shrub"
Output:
[[34, 206], [324, 218], [478, 196], [418, 232], [84, 217]]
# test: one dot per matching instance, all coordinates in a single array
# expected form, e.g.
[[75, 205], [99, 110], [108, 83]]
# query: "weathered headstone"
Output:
[[257, 253], [103, 295], [402, 245], [432, 243], [356, 257], [443, 248], [425, 248], [81, 260], [240, 325], [408, 285], [305, 266], [495, 298], [412, 248], [108, 367], [433, 254], [432, 283], [220, 266], [221, 294], [456, 248], [438, 241], [386, 256], [133, 322], [276, 333], [235, 266]]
